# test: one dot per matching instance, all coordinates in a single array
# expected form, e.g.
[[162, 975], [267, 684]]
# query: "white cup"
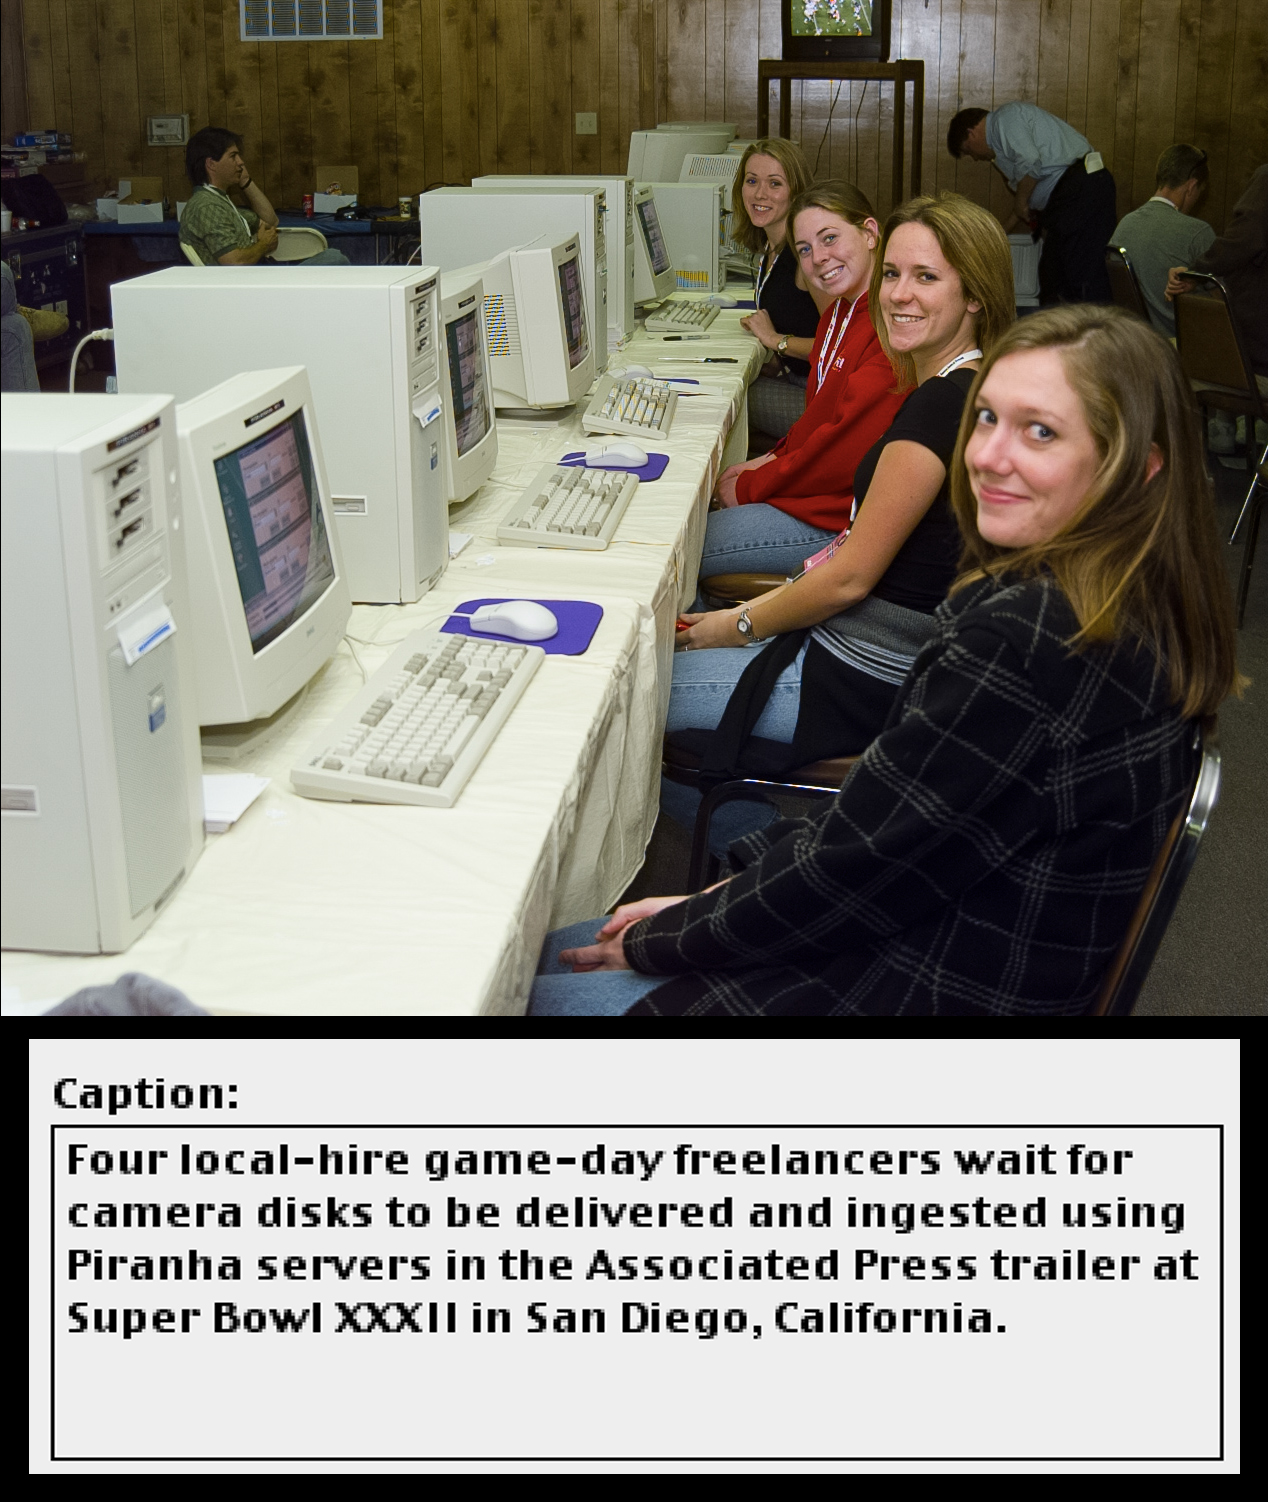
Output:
[[6, 221]]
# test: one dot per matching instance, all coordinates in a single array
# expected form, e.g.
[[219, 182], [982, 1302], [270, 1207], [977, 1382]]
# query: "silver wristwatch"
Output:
[[745, 626]]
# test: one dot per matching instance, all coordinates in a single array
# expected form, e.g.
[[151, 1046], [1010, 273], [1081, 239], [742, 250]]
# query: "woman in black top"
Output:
[[772, 173], [943, 286]]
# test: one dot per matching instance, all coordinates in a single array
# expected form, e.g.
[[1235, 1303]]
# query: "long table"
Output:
[[307, 907]]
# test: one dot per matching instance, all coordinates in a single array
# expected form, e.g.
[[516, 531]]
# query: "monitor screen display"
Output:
[[656, 251], [277, 529], [466, 381], [574, 311]]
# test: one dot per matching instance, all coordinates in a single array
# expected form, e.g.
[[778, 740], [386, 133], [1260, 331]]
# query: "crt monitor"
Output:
[[540, 350], [653, 268], [657, 155], [269, 598], [471, 440]]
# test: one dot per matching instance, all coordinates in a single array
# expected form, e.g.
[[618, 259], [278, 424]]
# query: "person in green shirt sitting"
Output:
[[212, 225]]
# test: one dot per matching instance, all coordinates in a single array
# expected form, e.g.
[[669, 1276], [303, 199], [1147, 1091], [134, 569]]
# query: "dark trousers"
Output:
[[1078, 223]]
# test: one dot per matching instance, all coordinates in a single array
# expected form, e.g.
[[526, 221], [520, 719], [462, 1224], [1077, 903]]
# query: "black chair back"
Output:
[[1210, 347], [1124, 287]]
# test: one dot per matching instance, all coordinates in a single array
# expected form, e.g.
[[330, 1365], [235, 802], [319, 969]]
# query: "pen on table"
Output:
[[675, 338], [697, 360]]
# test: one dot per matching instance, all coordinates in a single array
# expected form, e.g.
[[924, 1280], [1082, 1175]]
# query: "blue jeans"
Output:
[[703, 683], [557, 992], [758, 539]]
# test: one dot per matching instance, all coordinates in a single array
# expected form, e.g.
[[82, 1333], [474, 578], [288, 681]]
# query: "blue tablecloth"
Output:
[[158, 243]]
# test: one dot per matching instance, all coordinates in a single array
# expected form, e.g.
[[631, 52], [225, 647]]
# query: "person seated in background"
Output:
[[1162, 233], [771, 175], [849, 628], [18, 367], [778, 509], [1058, 183], [212, 225], [985, 855], [1240, 258]]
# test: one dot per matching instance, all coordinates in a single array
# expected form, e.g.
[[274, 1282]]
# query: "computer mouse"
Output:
[[628, 455], [721, 300], [525, 620], [637, 370]]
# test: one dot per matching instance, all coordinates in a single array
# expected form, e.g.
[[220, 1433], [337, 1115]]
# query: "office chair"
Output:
[[1253, 504], [191, 255], [1124, 287], [1167, 876], [682, 765]]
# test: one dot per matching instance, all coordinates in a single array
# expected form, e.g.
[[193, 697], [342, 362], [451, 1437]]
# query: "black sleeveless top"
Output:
[[791, 310]]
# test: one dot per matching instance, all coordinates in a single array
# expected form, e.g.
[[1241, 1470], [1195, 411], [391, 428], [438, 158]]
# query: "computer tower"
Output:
[[369, 338], [463, 226], [618, 238], [102, 804], [693, 220]]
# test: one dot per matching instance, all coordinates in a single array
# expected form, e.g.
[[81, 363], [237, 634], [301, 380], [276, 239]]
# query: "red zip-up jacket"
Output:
[[812, 475]]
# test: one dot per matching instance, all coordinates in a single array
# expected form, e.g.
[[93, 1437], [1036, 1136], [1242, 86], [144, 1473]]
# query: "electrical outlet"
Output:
[[587, 125]]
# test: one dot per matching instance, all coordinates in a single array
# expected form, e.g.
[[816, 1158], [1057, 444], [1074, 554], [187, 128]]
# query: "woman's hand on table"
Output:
[[762, 329], [608, 953]]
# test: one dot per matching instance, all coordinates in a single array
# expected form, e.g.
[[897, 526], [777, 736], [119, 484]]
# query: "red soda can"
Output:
[[308, 205]]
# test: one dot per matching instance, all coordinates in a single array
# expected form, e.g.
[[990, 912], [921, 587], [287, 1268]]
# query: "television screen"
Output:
[[836, 29]]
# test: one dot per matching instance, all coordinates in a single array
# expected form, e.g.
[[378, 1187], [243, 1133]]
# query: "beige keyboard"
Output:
[[568, 506], [421, 725], [632, 405], [681, 318]]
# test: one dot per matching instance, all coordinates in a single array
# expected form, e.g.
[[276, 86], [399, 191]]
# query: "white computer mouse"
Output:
[[636, 370], [721, 300], [627, 455], [525, 620]]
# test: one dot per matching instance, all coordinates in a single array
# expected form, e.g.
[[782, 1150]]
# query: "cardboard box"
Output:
[[140, 190], [181, 204], [108, 208], [331, 203], [141, 213], [337, 180]]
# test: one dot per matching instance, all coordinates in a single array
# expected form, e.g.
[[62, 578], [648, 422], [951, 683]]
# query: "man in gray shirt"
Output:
[[1060, 186], [1161, 233]]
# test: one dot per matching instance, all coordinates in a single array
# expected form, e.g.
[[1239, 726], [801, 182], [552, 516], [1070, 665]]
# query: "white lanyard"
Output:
[[973, 354], [827, 356], [762, 280]]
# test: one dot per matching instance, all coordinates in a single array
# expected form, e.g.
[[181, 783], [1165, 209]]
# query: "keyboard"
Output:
[[420, 726], [632, 405], [567, 506], [681, 318]]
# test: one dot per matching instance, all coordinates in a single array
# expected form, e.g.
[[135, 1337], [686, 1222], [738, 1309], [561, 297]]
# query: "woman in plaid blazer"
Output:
[[986, 853]]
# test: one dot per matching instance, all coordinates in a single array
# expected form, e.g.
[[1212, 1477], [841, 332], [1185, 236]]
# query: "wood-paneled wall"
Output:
[[459, 87]]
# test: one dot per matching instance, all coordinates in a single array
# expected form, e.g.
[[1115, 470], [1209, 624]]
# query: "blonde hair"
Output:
[[1140, 558], [976, 248], [743, 231]]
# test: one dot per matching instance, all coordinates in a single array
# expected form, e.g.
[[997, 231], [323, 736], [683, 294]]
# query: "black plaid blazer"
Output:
[[983, 858]]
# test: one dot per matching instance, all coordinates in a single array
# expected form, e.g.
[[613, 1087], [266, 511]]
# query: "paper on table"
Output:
[[458, 541], [227, 796]]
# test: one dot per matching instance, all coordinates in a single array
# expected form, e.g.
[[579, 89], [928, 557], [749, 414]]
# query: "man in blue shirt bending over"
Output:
[[1059, 185]]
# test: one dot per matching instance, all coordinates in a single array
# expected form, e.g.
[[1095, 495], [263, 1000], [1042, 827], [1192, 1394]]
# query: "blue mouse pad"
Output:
[[578, 621], [652, 470], [749, 304]]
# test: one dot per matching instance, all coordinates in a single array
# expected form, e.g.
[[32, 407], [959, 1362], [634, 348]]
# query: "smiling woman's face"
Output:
[[835, 257], [1031, 456], [766, 194]]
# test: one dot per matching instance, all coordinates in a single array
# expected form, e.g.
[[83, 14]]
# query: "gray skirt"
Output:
[[876, 637]]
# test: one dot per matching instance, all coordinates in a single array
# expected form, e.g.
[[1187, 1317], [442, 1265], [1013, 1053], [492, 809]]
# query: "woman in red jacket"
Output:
[[790, 502]]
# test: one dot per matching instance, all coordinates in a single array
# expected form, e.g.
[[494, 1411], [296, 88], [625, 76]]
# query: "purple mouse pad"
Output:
[[652, 470], [578, 621], [749, 304]]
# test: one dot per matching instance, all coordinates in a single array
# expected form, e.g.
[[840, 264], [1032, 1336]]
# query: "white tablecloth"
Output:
[[313, 908]]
